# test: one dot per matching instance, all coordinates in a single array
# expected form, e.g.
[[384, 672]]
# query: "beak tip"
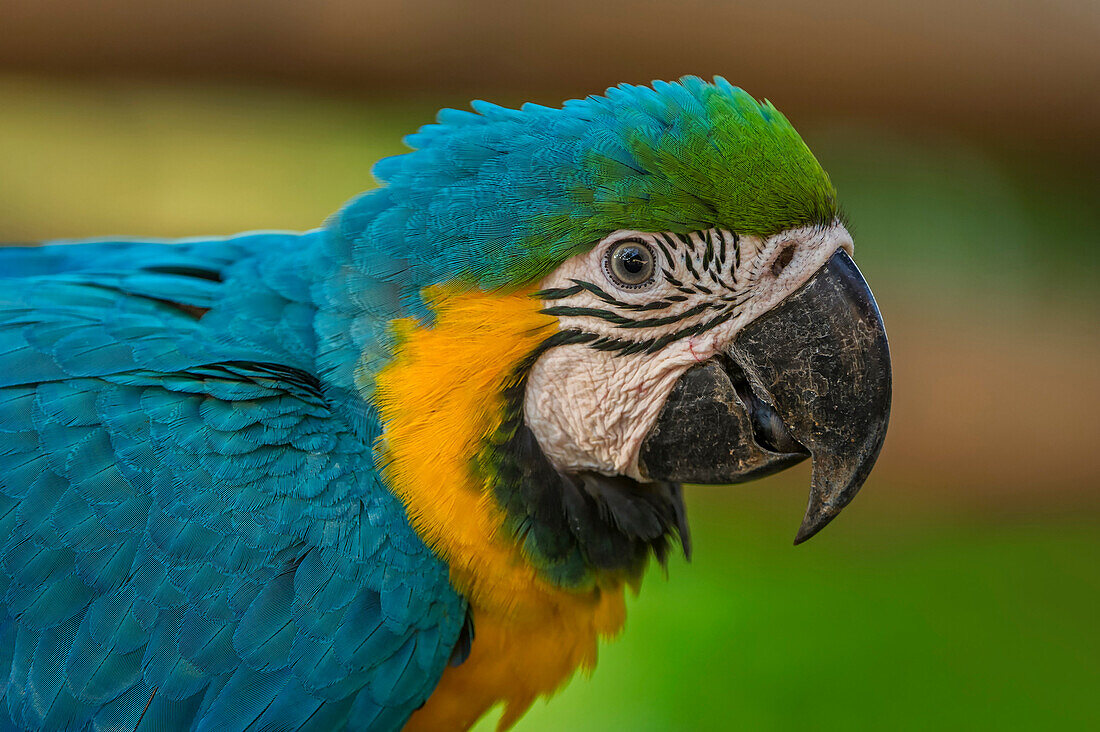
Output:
[[806, 532], [817, 518]]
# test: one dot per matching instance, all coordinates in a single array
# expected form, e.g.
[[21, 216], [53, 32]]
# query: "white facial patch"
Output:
[[590, 404]]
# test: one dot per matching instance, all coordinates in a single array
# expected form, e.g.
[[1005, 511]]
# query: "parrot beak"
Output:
[[810, 378]]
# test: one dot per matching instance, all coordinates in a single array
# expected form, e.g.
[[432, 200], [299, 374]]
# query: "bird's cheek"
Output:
[[591, 410]]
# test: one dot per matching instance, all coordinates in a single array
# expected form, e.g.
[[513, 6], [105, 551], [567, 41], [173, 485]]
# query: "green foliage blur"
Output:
[[959, 591], [881, 623]]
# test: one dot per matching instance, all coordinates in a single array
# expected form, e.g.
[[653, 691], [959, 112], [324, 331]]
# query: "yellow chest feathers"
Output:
[[439, 399]]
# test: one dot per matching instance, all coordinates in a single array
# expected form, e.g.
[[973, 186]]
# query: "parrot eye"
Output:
[[630, 264]]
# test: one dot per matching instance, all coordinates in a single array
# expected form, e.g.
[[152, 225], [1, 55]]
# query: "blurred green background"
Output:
[[961, 590]]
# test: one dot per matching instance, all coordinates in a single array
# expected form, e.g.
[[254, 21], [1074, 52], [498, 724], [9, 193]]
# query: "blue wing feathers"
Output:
[[193, 532]]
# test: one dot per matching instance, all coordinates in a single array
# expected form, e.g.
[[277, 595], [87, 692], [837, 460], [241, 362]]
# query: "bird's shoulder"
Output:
[[196, 532]]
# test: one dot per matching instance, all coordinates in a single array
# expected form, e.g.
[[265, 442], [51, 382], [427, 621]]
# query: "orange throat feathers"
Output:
[[440, 400]]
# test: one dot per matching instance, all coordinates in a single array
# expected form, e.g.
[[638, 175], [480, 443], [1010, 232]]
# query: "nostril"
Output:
[[782, 261]]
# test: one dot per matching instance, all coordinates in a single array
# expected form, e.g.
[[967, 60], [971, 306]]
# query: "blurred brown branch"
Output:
[[1025, 70]]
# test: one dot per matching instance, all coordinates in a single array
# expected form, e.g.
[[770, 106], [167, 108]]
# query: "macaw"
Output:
[[400, 469]]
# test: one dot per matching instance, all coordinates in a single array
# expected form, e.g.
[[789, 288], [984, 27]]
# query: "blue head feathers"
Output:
[[498, 197]]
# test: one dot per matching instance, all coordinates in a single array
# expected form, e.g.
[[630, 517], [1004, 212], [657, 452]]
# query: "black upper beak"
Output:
[[809, 378]]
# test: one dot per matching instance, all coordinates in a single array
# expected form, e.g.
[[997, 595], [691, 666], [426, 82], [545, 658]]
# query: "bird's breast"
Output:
[[440, 400]]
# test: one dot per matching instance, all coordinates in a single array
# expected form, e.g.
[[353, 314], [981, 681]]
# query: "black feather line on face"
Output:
[[575, 527], [611, 300], [660, 241], [624, 346], [558, 293], [690, 264]]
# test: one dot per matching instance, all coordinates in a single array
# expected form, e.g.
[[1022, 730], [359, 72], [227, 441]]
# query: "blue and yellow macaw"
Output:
[[399, 469]]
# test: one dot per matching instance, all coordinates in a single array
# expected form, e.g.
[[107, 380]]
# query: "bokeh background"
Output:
[[962, 589]]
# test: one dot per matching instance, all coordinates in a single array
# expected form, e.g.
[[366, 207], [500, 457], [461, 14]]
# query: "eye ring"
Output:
[[630, 264]]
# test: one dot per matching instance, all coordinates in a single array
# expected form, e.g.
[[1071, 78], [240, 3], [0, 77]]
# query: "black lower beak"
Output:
[[809, 378]]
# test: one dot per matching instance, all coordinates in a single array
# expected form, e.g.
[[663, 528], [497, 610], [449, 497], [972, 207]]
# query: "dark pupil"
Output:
[[632, 260]]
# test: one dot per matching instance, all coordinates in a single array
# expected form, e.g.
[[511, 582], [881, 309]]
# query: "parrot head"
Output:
[[695, 314]]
